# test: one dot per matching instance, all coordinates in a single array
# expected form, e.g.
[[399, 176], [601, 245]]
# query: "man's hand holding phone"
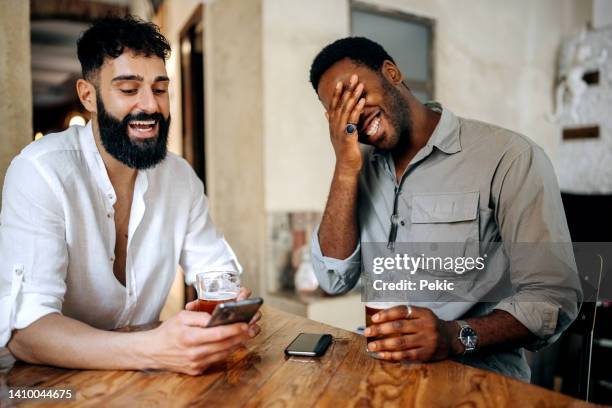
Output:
[[245, 293], [346, 108], [185, 344]]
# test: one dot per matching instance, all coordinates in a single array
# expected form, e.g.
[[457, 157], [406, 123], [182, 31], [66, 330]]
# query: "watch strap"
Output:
[[462, 324]]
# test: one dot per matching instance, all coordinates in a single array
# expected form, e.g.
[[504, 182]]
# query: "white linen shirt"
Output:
[[57, 236]]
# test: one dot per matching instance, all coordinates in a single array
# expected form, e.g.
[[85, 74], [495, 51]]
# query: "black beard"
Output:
[[399, 115], [138, 155]]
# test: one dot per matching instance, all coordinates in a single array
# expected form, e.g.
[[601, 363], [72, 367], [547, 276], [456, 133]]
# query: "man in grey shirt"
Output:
[[426, 175]]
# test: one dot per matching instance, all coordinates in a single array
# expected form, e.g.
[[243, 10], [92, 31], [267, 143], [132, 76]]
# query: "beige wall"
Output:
[[15, 81], [234, 127], [494, 61], [298, 155]]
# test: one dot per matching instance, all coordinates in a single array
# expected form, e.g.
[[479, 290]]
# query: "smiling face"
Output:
[[133, 109], [386, 115]]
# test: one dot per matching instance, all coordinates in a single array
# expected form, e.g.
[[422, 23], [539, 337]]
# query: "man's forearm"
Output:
[[339, 231], [61, 341], [499, 329]]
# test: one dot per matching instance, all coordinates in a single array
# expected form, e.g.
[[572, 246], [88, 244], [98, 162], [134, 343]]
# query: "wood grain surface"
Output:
[[262, 376]]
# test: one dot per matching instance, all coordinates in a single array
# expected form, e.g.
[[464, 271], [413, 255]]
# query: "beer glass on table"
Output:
[[371, 308], [216, 287]]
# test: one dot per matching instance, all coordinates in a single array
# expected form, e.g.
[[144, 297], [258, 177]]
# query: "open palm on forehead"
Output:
[[346, 108]]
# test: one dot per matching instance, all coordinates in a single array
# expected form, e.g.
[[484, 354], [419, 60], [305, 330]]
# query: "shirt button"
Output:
[[19, 272], [110, 196], [130, 293], [112, 259], [108, 215]]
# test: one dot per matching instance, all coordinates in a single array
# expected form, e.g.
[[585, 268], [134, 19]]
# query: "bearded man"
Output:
[[96, 219]]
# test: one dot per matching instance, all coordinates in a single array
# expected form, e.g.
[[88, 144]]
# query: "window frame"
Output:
[[429, 23]]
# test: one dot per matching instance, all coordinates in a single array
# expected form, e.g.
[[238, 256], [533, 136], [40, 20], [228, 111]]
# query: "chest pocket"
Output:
[[445, 225]]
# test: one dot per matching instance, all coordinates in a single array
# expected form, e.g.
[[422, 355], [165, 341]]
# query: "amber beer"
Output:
[[211, 300], [216, 287]]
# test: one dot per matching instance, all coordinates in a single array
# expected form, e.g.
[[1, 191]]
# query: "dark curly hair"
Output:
[[110, 36], [360, 50]]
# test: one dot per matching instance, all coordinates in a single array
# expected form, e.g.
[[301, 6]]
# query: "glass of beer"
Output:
[[371, 308], [216, 287]]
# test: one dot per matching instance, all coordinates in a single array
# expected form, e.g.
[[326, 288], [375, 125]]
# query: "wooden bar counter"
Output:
[[263, 376]]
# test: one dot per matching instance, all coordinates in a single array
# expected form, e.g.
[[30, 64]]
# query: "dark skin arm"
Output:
[[423, 337], [339, 231]]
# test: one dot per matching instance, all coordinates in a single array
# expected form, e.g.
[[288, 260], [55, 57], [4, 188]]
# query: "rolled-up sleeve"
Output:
[[543, 271], [204, 248], [33, 251], [335, 276]]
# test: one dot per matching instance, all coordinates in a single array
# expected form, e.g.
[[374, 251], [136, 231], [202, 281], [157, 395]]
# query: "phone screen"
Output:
[[309, 344], [235, 312]]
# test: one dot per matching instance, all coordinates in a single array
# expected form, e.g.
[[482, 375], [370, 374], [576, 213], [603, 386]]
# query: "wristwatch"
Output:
[[467, 337]]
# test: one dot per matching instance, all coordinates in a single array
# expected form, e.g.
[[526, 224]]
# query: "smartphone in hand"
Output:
[[235, 312]]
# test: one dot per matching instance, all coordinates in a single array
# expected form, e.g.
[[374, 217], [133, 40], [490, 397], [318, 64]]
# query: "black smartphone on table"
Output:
[[309, 344], [235, 312]]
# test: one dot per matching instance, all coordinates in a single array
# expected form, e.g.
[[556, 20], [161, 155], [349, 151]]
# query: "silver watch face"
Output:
[[468, 337]]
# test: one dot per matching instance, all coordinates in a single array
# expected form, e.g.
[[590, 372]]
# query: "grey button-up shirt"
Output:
[[473, 182]]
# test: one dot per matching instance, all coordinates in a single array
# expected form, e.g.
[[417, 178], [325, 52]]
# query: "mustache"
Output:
[[144, 116]]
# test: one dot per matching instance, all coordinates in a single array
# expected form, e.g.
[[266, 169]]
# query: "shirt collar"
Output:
[[445, 136], [94, 158], [89, 143]]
